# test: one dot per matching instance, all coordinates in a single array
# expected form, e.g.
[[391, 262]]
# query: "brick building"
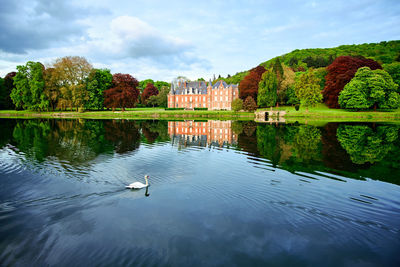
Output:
[[202, 133], [190, 95]]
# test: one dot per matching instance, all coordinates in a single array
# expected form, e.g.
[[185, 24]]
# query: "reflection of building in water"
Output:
[[202, 133]]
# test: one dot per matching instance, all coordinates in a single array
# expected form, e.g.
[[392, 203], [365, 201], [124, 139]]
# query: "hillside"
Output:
[[302, 59]]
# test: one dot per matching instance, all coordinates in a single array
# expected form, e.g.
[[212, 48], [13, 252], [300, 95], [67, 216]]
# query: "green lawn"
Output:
[[142, 113], [322, 112]]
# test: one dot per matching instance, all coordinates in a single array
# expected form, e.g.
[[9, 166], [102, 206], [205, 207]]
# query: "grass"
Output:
[[322, 113], [142, 113]]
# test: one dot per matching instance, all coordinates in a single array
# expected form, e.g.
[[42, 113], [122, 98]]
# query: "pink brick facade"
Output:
[[192, 95]]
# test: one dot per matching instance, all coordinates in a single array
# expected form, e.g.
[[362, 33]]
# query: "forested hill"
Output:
[[302, 59]]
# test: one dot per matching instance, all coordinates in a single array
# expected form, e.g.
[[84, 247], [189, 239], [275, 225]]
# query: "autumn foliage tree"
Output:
[[150, 90], [124, 92], [249, 104], [340, 72], [249, 85]]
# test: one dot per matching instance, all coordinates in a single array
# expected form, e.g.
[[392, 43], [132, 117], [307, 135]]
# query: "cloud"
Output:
[[131, 37], [32, 25]]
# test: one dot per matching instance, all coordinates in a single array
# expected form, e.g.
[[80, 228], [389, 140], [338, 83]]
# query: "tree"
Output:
[[307, 89], [160, 84], [9, 86], [98, 81], [124, 92], [162, 97], [143, 84], [51, 87], [394, 71], [249, 104], [3, 93], [29, 87], [249, 85], [71, 74], [370, 88], [267, 89], [148, 91], [237, 104], [286, 84], [340, 72]]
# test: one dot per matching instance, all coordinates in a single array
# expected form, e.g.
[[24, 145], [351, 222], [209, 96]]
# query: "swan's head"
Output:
[[146, 176]]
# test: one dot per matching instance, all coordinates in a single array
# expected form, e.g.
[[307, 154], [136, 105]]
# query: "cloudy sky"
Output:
[[165, 39]]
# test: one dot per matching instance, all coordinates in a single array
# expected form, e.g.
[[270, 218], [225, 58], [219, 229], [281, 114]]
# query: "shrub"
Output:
[[237, 104], [249, 104], [174, 108], [200, 108]]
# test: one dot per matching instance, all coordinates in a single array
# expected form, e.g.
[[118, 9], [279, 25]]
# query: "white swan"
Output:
[[139, 185]]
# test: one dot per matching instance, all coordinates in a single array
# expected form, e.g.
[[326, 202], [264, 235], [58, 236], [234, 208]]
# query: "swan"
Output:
[[139, 185]]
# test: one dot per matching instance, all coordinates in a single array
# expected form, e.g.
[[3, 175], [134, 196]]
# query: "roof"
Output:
[[197, 87]]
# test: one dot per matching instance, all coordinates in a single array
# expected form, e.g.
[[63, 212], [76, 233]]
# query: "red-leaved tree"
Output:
[[340, 72], [249, 85], [123, 93], [148, 91]]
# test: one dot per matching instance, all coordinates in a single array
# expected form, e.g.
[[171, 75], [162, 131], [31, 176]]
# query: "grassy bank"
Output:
[[140, 113], [322, 113]]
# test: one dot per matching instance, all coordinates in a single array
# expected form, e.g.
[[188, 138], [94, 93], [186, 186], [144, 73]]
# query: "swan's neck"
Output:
[[147, 181]]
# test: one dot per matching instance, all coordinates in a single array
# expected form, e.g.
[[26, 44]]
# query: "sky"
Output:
[[161, 40]]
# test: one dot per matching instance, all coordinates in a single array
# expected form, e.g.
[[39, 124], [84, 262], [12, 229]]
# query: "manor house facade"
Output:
[[190, 95]]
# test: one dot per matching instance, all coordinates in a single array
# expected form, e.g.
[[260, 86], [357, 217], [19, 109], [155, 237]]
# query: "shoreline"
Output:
[[320, 113]]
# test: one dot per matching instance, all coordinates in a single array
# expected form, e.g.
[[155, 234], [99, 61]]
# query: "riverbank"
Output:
[[322, 113], [136, 113]]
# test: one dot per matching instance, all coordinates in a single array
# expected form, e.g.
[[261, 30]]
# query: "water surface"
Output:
[[222, 193]]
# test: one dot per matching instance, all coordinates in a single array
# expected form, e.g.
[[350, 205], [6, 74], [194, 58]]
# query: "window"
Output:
[[226, 98], [204, 105], [185, 98], [220, 92], [220, 98], [190, 98], [204, 98]]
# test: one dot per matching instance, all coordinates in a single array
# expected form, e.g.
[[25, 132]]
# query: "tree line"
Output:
[[349, 82], [71, 83]]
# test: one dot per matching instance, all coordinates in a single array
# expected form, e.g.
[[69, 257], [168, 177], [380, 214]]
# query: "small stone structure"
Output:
[[270, 116]]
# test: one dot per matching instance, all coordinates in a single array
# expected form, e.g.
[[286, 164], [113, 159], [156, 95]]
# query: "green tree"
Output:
[[143, 84], [237, 104], [267, 89], [160, 84], [3, 94], [307, 89], [370, 88], [394, 71], [98, 81], [29, 87]]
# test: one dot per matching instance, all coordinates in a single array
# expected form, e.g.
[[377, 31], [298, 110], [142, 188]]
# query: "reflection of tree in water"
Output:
[[6, 132], [306, 143], [31, 138], [75, 141], [155, 131], [268, 142], [365, 144], [247, 140], [334, 155], [123, 134]]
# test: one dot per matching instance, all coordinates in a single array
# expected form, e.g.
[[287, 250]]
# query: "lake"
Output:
[[221, 193]]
